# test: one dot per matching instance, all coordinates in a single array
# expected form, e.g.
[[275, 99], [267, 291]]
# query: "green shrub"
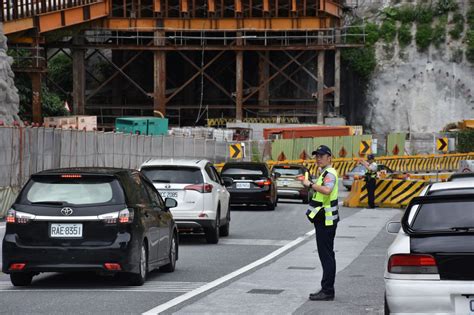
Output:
[[439, 34], [424, 14], [470, 16], [388, 31], [404, 35], [371, 33], [445, 6], [424, 35], [361, 60], [465, 141], [458, 28], [470, 46], [406, 14]]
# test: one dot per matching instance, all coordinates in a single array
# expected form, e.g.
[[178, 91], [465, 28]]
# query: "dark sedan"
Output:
[[250, 183], [89, 219]]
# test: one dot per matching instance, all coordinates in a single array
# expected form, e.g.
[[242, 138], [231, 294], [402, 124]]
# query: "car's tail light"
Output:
[[202, 188], [412, 264], [113, 266], [262, 183], [122, 216], [19, 217], [125, 216], [17, 266], [345, 177]]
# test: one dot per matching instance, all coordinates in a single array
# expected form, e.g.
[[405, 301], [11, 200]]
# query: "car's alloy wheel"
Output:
[[21, 279], [212, 233], [140, 277], [172, 256]]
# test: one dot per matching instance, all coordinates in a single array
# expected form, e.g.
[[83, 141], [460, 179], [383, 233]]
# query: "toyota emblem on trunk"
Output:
[[66, 211], [167, 186]]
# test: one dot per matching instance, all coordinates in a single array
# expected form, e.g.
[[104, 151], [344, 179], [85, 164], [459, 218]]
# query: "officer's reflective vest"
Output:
[[328, 203], [370, 174]]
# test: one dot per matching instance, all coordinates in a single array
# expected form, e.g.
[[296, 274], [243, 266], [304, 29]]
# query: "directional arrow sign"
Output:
[[235, 151], [442, 144], [365, 147]]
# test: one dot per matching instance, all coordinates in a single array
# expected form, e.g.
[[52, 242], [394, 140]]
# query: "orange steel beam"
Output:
[[199, 24], [59, 19]]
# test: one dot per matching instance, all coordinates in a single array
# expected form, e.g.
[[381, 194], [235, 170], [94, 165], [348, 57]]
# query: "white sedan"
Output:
[[429, 267]]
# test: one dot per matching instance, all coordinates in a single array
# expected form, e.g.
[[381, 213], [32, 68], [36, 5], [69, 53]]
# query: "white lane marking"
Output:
[[258, 242], [228, 277], [2, 226], [151, 286]]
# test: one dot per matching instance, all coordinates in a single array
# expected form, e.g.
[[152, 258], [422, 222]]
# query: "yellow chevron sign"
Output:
[[365, 147], [442, 144], [235, 151]]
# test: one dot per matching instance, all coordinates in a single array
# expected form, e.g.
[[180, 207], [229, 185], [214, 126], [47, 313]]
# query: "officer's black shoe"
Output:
[[321, 296]]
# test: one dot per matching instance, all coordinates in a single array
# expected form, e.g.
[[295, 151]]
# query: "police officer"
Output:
[[370, 178], [323, 213]]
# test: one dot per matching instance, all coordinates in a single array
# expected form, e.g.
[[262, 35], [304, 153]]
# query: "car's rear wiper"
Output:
[[463, 228], [59, 203]]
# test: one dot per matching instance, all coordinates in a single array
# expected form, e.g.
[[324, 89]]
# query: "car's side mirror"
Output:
[[170, 203], [227, 181], [393, 227]]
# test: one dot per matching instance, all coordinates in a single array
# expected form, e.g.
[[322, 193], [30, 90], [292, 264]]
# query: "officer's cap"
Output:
[[321, 150]]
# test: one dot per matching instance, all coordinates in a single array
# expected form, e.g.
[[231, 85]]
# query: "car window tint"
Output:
[[210, 173], [216, 174], [174, 174], [154, 196], [79, 191], [444, 216], [451, 192], [289, 170], [142, 194], [249, 169]]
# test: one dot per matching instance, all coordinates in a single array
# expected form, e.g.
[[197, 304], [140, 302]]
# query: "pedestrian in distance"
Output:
[[370, 178], [323, 213]]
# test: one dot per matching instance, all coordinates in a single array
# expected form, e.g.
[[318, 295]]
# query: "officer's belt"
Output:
[[333, 210]]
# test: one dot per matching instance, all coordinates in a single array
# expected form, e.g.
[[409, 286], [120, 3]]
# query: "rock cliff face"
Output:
[[9, 100], [418, 92]]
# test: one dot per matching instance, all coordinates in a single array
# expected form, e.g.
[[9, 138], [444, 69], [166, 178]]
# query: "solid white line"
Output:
[[230, 276]]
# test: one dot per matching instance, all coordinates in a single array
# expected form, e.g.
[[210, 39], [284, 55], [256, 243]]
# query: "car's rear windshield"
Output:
[[444, 216], [288, 170], [456, 191], [174, 174], [76, 191], [248, 169]]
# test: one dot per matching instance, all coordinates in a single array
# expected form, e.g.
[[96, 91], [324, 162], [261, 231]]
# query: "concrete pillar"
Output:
[[263, 73], [78, 79], [239, 78], [239, 82], [36, 96], [337, 82], [320, 106], [159, 90]]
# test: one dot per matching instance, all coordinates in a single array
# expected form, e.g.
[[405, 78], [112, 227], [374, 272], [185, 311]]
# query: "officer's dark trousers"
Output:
[[371, 192], [325, 241]]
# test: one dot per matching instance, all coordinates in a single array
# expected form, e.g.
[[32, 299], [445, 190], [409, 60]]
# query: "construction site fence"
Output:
[[27, 150]]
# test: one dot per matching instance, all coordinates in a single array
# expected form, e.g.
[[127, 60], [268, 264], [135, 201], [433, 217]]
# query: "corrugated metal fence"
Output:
[[24, 151]]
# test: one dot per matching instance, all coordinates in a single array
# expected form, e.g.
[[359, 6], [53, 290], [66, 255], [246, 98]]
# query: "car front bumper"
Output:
[[429, 296], [70, 258]]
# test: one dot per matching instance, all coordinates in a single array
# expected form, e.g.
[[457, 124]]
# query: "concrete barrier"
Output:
[[389, 193]]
